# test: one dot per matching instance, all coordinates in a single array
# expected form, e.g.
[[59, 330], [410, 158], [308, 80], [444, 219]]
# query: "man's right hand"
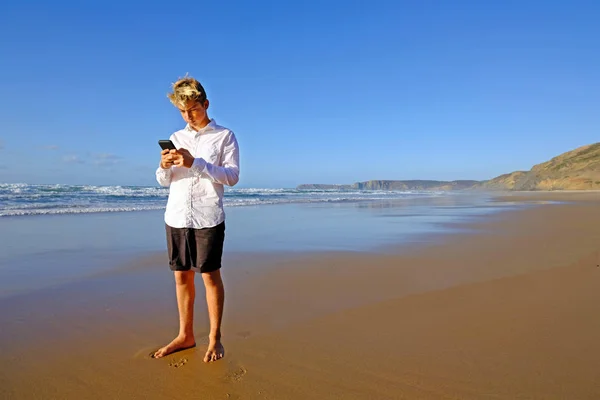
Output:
[[166, 158]]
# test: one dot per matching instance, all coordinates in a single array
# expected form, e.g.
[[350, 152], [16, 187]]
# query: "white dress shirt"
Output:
[[196, 193]]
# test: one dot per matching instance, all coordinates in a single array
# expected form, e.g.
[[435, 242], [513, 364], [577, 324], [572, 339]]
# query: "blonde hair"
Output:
[[186, 89]]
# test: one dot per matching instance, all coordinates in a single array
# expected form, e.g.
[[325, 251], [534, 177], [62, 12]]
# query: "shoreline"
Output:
[[63, 248], [276, 306]]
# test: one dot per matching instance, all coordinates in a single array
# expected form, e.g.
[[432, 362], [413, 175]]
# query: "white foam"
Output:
[[22, 212], [22, 199]]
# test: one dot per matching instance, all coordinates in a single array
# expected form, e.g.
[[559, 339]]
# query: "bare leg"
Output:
[[215, 299], [186, 293]]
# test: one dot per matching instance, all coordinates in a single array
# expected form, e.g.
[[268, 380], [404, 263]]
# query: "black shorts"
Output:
[[199, 250]]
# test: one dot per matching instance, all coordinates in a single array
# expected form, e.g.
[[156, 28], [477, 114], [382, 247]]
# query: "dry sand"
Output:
[[508, 311]]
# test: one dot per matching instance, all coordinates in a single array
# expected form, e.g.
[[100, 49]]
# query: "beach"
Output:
[[465, 305]]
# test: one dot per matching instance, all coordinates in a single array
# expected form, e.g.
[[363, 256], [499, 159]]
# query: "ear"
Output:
[[206, 104]]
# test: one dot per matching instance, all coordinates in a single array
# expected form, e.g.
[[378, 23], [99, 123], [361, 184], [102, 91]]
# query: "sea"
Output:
[[51, 234], [20, 199]]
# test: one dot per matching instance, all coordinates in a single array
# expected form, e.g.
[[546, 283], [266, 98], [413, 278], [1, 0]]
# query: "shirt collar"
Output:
[[210, 126]]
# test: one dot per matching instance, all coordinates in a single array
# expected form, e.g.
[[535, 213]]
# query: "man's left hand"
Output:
[[183, 158]]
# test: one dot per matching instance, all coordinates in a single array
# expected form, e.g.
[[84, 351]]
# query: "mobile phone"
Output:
[[166, 145]]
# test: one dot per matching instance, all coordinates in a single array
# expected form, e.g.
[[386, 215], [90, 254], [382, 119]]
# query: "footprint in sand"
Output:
[[237, 374], [244, 334], [180, 363]]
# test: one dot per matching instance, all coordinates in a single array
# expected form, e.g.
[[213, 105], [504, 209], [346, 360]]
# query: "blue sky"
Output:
[[316, 91]]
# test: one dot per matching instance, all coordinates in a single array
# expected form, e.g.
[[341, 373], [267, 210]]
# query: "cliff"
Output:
[[578, 169]]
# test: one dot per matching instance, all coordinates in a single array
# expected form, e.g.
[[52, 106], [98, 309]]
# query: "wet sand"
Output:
[[508, 310]]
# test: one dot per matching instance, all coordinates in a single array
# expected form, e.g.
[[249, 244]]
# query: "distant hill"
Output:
[[323, 186], [396, 185], [578, 169], [414, 185]]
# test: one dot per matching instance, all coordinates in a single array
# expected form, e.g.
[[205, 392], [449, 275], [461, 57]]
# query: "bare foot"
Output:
[[178, 344], [215, 351]]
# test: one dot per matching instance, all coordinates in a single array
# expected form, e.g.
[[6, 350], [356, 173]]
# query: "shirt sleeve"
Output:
[[163, 176], [228, 172]]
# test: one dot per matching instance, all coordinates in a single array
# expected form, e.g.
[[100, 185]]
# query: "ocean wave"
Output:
[[18, 199], [149, 191], [57, 211], [12, 188], [53, 209]]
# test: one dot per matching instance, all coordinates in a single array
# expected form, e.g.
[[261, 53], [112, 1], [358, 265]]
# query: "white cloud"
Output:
[[98, 159], [72, 159], [106, 159]]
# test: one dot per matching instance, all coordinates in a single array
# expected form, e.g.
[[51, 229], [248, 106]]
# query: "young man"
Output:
[[206, 159]]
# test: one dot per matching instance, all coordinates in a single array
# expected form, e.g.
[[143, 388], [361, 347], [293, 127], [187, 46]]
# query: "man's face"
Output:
[[194, 113]]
